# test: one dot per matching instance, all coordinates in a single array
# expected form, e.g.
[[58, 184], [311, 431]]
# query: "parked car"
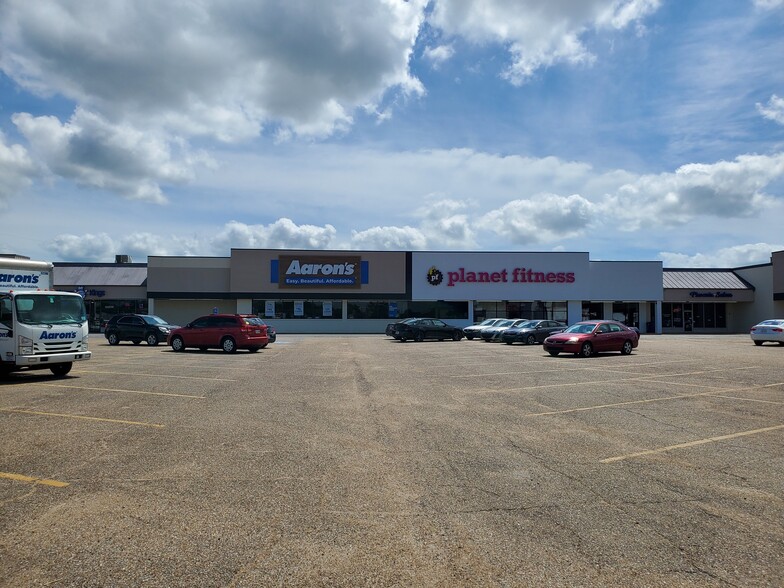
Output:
[[532, 332], [770, 330], [588, 337], [222, 331], [474, 330], [493, 334], [137, 328], [272, 334], [426, 328], [392, 330]]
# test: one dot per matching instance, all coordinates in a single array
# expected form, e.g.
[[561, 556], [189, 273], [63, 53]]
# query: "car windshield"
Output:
[[50, 309], [581, 328], [772, 322], [527, 325], [505, 324], [151, 319], [488, 322]]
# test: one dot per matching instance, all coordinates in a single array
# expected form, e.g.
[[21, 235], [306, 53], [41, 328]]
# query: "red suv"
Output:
[[223, 331]]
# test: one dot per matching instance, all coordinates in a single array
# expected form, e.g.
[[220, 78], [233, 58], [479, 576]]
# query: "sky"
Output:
[[630, 129]]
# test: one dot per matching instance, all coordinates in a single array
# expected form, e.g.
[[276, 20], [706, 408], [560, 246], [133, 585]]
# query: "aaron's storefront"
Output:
[[361, 291]]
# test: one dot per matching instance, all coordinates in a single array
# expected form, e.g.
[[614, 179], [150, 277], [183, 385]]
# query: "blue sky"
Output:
[[631, 129]]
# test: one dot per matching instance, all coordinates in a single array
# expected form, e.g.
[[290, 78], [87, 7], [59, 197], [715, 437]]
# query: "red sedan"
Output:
[[588, 337]]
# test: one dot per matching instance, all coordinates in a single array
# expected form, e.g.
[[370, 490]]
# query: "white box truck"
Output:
[[39, 328]]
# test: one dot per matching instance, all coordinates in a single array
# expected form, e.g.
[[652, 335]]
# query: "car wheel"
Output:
[[553, 352], [758, 343], [586, 350], [152, 339], [419, 336], [627, 347], [403, 338], [530, 340], [469, 337], [508, 342], [229, 345], [113, 339], [60, 369], [137, 341], [253, 349], [456, 336], [177, 344]]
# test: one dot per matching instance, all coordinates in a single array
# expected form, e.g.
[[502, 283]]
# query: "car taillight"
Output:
[[777, 330]]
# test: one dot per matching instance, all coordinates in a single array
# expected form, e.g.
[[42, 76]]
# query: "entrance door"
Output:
[[688, 318]]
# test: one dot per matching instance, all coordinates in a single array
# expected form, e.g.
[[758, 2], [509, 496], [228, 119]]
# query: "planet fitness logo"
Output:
[[434, 276]]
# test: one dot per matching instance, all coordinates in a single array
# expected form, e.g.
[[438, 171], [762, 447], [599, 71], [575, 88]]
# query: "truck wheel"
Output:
[[60, 369]]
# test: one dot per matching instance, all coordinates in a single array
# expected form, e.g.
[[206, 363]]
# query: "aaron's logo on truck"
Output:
[[18, 279], [51, 335]]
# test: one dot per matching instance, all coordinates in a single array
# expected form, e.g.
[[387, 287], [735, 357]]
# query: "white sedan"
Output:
[[771, 330]]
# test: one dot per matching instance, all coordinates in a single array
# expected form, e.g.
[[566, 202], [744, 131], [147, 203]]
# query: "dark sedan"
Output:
[[425, 328], [392, 328], [532, 332], [588, 337]]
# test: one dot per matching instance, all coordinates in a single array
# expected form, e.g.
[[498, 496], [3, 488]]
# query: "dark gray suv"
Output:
[[137, 328]]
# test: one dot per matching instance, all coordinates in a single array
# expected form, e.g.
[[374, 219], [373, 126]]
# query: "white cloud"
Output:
[[226, 68], [727, 189], [537, 34], [768, 4], [546, 218], [282, 234], [437, 56], [774, 110], [97, 154], [17, 170], [728, 257], [389, 239], [445, 225]]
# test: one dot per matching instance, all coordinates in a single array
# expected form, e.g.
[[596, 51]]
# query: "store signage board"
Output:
[[319, 271], [499, 276]]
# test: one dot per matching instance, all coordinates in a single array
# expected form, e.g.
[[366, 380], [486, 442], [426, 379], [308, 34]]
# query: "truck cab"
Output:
[[39, 328]]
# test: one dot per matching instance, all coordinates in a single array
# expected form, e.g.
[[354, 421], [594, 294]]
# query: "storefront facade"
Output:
[[559, 286], [107, 288], [361, 291], [340, 291]]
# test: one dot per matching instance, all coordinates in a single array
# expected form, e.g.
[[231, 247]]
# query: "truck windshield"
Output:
[[51, 309]]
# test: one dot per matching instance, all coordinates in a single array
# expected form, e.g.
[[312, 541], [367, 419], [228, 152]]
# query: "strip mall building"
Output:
[[340, 291]]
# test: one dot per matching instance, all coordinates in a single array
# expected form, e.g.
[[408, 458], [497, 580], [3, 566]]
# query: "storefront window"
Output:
[[593, 311], [442, 309], [298, 309], [627, 313], [512, 309], [100, 311], [699, 315], [375, 309]]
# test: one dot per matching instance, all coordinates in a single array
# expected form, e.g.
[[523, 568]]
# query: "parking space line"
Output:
[[86, 418], [121, 390], [29, 480], [691, 444], [645, 401], [157, 376], [745, 399]]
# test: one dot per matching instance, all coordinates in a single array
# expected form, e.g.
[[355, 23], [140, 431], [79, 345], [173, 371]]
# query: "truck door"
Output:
[[6, 326]]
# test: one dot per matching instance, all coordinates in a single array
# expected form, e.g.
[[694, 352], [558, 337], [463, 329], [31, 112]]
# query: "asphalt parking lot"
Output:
[[362, 461]]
